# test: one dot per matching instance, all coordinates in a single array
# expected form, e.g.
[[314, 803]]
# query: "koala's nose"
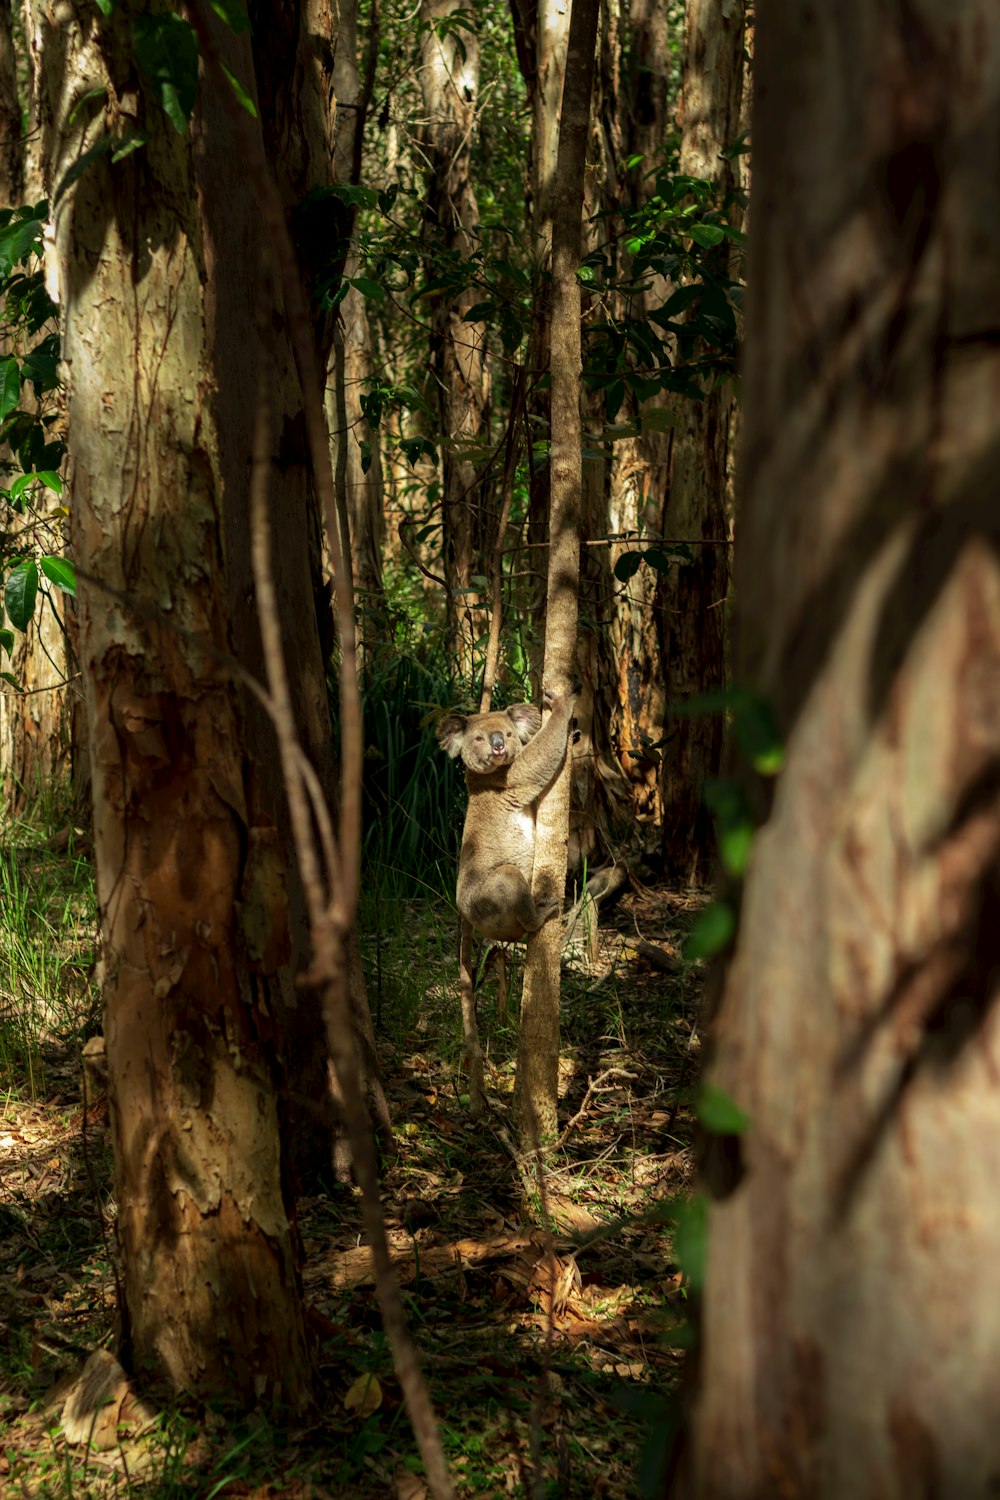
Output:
[[496, 743]]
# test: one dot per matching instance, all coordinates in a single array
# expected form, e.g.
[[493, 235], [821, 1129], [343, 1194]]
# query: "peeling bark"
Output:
[[191, 887]]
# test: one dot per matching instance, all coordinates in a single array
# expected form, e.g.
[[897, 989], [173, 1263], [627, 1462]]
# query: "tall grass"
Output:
[[48, 921], [414, 799]]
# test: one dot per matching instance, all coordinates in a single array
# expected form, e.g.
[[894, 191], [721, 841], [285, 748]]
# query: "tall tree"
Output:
[[159, 256], [850, 1320], [359, 470], [11, 133], [692, 596], [450, 82], [538, 1040]]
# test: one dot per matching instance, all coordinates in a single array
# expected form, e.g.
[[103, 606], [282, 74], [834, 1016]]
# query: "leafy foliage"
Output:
[[29, 417]]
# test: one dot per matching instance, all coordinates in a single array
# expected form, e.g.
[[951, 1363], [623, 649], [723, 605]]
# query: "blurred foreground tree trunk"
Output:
[[692, 597], [158, 258], [851, 1321]]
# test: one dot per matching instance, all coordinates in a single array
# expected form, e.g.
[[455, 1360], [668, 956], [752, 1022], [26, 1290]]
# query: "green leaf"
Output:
[[479, 312], [707, 235], [691, 1239], [41, 367], [718, 1114], [712, 932], [10, 385], [9, 677], [657, 419], [657, 559], [757, 735], [614, 396], [19, 239], [129, 143], [61, 572], [7, 640], [627, 566], [51, 480], [368, 288], [106, 6], [233, 13], [166, 50], [20, 592], [240, 92], [735, 828]]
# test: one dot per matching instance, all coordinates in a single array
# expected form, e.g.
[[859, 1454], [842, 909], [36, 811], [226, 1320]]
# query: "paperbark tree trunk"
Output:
[[450, 82], [850, 1314], [190, 870], [692, 598], [538, 1039]]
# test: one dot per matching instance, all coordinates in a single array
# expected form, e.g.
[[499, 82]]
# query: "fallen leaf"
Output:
[[364, 1396]]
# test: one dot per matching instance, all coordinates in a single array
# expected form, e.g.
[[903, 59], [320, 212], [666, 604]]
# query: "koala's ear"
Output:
[[526, 720], [451, 732]]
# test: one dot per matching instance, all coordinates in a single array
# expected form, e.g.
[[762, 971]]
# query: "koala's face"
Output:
[[487, 742]]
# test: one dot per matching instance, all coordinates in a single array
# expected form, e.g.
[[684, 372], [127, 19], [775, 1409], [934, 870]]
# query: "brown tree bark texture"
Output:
[[211, 1291], [851, 1321], [538, 1038], [449, 79], [693, 596]]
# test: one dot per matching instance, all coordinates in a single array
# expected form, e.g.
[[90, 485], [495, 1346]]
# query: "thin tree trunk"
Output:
[[353, 362], [692, 596], [538, 1041], [190, 887], [11, 133], [450, 83], [850, 1314]]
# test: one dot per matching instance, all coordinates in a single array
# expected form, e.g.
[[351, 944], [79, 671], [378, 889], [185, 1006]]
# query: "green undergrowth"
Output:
[[48, 1002]]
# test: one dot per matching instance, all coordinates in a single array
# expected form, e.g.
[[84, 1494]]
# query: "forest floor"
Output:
[[551, 1322]]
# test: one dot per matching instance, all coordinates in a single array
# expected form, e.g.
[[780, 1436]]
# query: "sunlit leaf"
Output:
[[60, 571], [20, 592], [166, 50], [240, 92], [234, 13]]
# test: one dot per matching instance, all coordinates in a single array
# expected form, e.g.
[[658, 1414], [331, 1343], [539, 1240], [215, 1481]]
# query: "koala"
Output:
[[509, 760]]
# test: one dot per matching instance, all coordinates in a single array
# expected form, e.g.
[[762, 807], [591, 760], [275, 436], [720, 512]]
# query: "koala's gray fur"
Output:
[[509, 761]]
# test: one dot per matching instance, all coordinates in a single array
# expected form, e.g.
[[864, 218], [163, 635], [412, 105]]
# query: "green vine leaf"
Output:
[[166, 50], [20, 592], [10, 385], [61, 572]]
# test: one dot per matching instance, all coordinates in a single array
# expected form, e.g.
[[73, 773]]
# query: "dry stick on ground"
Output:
[[331, 910]]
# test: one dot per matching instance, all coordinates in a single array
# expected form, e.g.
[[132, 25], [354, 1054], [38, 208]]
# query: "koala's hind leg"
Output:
[[503, 908], [470, 1030]]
